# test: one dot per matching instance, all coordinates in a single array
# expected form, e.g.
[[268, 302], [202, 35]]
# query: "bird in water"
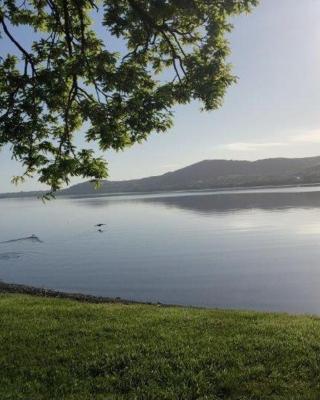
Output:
[[100, 230], [99, 225]]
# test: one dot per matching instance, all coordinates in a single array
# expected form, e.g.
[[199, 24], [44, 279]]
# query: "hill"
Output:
[[209, 174]]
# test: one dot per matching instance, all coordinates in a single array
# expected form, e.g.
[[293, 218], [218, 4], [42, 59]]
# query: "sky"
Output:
[[273, 110]]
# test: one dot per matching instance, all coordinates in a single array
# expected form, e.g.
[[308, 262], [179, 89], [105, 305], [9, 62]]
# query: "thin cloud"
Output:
[[250, 146], [308, 137]]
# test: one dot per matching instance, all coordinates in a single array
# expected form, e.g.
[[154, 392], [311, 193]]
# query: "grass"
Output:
[[62, 349]]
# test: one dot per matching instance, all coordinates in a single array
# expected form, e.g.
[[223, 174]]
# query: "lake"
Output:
[[248, 249]]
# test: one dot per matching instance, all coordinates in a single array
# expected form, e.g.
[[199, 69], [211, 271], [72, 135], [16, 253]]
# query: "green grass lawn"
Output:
[[62, 349]]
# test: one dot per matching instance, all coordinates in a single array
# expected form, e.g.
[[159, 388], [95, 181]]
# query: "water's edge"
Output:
[[15, 288], [84, 298]]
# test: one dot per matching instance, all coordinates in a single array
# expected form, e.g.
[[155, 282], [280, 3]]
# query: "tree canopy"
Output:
[[70, 80]]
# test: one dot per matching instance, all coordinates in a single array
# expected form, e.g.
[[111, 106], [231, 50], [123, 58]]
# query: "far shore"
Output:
[[39, 194]]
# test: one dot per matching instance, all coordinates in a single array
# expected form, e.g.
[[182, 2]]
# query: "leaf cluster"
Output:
[[70, 80]]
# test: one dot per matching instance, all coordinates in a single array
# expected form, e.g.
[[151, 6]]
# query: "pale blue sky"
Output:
[[272, 111]]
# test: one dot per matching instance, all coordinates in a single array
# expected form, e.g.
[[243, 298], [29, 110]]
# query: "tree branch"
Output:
[[18, 45]]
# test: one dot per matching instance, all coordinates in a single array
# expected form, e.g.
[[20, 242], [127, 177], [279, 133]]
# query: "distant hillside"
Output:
[[210, 174], [22, 194]]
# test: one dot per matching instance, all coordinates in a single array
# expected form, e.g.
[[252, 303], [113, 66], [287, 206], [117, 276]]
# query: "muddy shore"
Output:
[[44, 292]]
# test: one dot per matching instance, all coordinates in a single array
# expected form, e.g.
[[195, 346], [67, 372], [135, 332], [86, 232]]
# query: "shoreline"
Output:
[[16, 288], [37, 194]]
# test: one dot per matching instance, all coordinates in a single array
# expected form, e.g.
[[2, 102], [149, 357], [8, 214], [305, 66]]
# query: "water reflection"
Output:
[[216, 202]]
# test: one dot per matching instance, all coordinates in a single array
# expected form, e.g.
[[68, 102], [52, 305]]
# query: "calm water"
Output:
[[245, 249]]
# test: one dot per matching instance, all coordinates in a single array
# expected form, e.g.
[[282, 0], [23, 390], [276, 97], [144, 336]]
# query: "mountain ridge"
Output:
[[208, 174]]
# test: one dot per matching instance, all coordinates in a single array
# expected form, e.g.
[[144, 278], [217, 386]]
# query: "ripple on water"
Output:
[[32, 238], [10, 255]]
